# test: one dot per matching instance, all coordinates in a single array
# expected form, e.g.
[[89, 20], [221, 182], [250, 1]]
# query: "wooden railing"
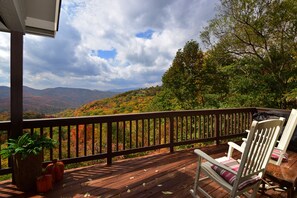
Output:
[[104, 137]]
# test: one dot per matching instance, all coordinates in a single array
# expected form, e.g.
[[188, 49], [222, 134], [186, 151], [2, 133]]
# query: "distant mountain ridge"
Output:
[[52, 100]]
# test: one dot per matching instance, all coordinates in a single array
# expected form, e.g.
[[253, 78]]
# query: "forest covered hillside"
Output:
[[129, 102]]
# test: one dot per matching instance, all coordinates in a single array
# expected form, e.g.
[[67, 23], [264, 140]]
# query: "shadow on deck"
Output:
[[156, 175]]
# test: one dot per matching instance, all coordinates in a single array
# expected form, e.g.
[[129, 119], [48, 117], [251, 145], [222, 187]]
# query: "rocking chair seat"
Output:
[[277, 153], [230, 177]]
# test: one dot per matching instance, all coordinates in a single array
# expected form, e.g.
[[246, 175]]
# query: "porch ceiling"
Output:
[[39, 17]]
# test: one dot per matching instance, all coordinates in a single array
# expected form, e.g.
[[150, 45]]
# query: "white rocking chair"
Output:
[[279, 152], [238, 177]]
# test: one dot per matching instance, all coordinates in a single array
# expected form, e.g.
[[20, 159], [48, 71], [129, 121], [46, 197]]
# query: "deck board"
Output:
[[156, 175]]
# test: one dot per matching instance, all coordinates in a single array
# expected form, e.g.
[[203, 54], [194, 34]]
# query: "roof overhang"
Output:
[[39, 17]]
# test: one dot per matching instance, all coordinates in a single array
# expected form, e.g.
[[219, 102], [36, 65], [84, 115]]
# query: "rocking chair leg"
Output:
[[196, 183], [255, 190]]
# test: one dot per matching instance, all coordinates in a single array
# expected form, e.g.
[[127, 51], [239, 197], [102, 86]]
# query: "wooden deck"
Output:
[[156, 175]]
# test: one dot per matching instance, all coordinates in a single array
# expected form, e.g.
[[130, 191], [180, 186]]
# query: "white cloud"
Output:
[[4, 59], [92, 25]]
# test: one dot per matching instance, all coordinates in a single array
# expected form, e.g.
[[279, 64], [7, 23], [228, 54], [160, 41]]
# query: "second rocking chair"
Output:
[[240, 176]]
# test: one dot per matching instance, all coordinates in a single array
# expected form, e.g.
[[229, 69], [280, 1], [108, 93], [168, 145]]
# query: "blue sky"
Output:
[[109, 44], [146, 34], [105, 54]]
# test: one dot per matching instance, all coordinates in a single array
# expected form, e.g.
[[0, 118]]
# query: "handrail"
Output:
[[104, 137]]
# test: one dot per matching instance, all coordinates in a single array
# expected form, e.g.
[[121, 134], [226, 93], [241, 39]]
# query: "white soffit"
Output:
[[40, 17]]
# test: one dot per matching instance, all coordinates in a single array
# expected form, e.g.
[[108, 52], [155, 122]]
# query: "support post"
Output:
[[16, 84], [16, 87]]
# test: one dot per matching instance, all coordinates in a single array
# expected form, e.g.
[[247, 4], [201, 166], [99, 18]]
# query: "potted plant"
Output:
[[27, 155]]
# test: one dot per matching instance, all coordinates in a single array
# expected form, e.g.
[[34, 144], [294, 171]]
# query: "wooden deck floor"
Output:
[[157, 175]]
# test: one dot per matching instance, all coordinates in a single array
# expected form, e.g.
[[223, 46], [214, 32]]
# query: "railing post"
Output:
[[217, 127], [109, 143], [171, 120]]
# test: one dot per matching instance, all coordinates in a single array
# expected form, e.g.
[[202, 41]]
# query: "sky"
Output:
[[109, 44]]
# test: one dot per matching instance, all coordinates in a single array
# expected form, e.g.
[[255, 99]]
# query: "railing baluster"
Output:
[[176, 129], [241, 122], [109, 143], [154, 130], [68, 141], [199, 127], [217, 131], [130, 134], [100, 140], [231, 123], [136, 133], [206, 125], [124, 135], [148, 132], [142, 133], [60, 142], [160, 131], [187, 127], [165, 132], [171, 131], [211, 126], [77, 140], [220, 124], [203, 125], [85, 139], [224, 122], [182, 129], [41, 131], [210, 132], [93, 138], [51, 136], [117, 131], [191, 125], [195, 127]]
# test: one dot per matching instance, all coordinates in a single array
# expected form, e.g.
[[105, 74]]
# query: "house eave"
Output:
[[38, 17]]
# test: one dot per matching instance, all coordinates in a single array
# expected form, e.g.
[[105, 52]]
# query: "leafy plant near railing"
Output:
[[26, 145]]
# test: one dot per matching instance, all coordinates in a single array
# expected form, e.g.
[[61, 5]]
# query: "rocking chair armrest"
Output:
[[245, 139], [236, 146], [213, 161], [247, 131]]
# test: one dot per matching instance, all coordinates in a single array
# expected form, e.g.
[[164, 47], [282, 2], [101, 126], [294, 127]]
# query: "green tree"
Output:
[[183, 75], [164, 101], [215, 84], [262, 36]]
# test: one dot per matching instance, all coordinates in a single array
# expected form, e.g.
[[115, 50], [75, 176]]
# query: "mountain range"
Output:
[[52, 100]]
